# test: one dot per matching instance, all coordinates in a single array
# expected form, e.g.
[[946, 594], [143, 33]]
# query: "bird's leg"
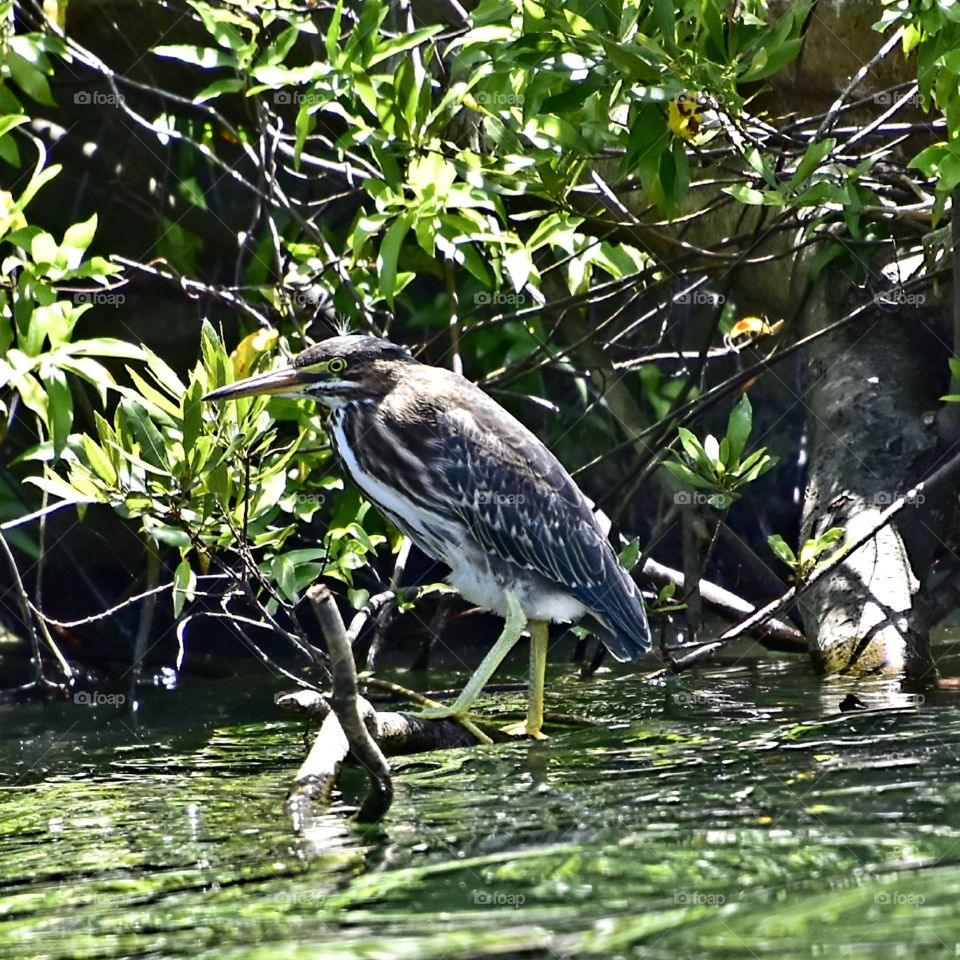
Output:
[[512, 628], [539, 637]]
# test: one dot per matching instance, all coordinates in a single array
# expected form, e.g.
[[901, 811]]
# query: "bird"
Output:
[[475, 489]]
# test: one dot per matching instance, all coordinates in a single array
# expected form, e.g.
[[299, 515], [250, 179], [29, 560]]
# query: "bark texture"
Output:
[[870, 393]]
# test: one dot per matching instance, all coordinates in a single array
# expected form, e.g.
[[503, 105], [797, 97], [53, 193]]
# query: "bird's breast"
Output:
[[370, 456]]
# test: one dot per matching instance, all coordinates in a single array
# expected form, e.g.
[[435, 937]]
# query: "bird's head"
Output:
[[333, 372]]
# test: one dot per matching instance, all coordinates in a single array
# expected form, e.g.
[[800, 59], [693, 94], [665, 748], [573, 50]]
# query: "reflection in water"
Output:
[[737, 811]]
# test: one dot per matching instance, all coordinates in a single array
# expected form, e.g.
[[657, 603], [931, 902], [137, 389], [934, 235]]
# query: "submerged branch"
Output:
[[345, 703], [352, 726]]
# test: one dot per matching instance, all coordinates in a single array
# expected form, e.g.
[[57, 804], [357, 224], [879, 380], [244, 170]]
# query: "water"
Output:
[[733, 813]]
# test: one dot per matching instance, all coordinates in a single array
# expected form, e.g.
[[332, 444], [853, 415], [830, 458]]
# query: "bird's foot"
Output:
[[451, 713], [524, 729]]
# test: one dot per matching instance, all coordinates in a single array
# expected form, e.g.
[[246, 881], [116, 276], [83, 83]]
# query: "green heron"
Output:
[[474, 489]]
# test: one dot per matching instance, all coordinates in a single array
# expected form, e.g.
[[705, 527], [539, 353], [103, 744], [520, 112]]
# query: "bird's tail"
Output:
[[620, 617]]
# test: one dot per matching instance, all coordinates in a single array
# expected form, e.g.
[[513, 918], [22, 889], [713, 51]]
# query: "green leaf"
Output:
[[28, 77], [219, 87], [104, 347], [153, 396], [684, 474], [357, 597], [757, 468], [630, 554], [184, 586], [739, 425], [663, 15], [725, 459], [59, 408], [10, 121], [165, 376], [332, 39], [98, 461], [192, 416], [827, 253], [59, 488], [285, 576], [745, 194], [693, 448], [44, 249], [389, 254], [171, 536], [828, 539], [766, 63], [80, 235], [782, 549], [928, 160], [152, 445], [9, 153], [405, 41], [38, 180], [812, 159]]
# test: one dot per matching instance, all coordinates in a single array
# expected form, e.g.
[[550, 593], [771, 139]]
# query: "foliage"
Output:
[[203, 480], [459, 185], [810, 555], [954, 364], [719, 465], [932, 32], [540, 86]]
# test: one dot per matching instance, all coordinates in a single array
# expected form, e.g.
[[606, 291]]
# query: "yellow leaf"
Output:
[[250, 349], [683, 115], [749, 329]]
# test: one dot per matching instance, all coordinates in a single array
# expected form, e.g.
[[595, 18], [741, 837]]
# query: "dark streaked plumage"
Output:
[[474, 488], [469, 484]]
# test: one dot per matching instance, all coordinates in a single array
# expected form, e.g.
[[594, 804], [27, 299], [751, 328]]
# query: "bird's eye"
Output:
[[337, 365]]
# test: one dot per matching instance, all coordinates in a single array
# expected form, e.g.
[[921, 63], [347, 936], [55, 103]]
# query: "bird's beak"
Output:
[[289, 381]]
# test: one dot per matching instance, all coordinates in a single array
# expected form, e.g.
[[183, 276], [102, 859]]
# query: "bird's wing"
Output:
[[522, 506]]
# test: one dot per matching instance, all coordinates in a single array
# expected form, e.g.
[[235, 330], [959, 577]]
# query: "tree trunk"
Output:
[[871, 392]]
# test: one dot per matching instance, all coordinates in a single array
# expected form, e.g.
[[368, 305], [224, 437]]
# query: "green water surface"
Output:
[[735, 813]]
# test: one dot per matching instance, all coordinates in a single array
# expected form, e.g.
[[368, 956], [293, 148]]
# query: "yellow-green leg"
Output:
[[458, 710], [539, 638]]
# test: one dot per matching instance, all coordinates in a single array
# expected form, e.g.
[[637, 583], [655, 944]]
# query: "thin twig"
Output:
[[855, 81]]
